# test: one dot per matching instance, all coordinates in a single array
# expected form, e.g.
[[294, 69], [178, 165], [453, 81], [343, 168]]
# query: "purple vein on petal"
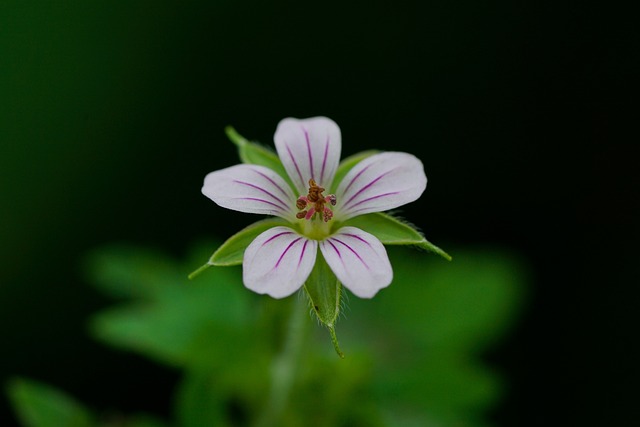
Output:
[[248, 184], [335, 249], [287, 250], [271, 181], [306, 138], [355, 178], [304, 247], [367, 186], [355, 236], [276, 236], [294, 163], [324, 160], [373, 198], [255, 199], [352, 250]]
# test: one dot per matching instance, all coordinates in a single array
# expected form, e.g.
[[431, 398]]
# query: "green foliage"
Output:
[[413, 353], [392, 231], [198, 401], [428, 334], [181, 323], [39, 405]]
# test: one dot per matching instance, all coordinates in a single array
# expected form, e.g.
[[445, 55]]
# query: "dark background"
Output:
[[111, 113]]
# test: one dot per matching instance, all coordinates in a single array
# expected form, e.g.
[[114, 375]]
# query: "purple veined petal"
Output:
[[309, 148], [358, 260], [251, 189], [278, 262], [378, 183]]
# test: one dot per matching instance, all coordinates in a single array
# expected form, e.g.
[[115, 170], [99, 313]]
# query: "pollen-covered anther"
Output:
[[327, 215], [317, 201], [301, 203]]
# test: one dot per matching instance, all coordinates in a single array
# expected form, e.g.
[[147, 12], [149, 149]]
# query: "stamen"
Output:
[[316, 200], [301, 203], [328, 214]]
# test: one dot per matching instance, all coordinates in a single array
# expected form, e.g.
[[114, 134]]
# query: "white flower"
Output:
[[279, 260]]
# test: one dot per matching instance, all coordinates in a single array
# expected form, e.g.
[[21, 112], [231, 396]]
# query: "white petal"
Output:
[[251, 189], [378, 183], [359, 261], [309, 148], [278, 262]]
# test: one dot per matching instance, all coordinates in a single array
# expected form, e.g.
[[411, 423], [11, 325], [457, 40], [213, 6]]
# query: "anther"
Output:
[[328, 214], [301, 203]]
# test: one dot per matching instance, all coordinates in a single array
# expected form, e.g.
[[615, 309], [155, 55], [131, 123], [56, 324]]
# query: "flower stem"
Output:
[[285, 365]]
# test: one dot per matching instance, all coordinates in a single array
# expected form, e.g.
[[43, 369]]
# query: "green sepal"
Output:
[[232, 251], [325, 292], [257, 154], [393, 231], [347, 164]]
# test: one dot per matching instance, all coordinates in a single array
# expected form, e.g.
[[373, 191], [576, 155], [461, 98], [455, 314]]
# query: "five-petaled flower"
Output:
[[279, 261]]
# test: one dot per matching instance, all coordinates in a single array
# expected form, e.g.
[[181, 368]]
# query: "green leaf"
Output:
[[446, 384], [347, 164], [182, 323], [257, 154], [463, 305], [325, 291], [39, 405], [440, 317], [232, 251], [198, 401], [124, 271], [392, 231], [184, 326]]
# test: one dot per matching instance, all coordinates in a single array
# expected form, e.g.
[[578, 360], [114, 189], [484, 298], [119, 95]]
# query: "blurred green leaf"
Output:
[[182, 323], [412, 351], [347, 164], [465, 304], [123, 271], [198, 403], [39, 405], [203, 325], [429, 326], [393, 231], [446, 385]]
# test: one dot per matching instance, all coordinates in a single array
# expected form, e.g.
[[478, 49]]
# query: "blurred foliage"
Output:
[[413, 353]]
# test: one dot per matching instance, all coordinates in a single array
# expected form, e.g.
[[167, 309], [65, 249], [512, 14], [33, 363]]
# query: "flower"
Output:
[[279, 260]]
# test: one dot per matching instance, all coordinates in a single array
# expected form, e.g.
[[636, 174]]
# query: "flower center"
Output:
[[315, 202]]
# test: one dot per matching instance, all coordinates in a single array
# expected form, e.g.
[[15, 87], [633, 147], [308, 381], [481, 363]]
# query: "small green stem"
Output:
[[285, 365]]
